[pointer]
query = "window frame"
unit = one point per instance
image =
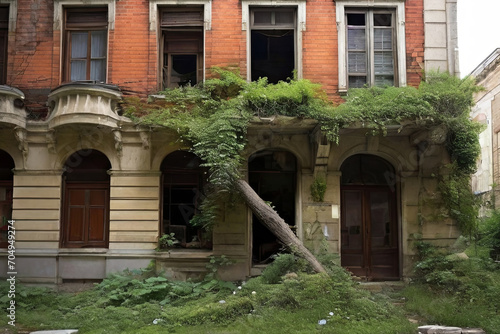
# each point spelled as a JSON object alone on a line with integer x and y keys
{"x": 59, "y": 14}
{"x": 398, "y": 8}
{"x": 300, "y": 19}
{"x": 155, "y": 10}
{"x": 189, "y": 30}
{"x": 4, "y": 32}
{"x": 89, "y": 29}
{"x": 11, "y": 27}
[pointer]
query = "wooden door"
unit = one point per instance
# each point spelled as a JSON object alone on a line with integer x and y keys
{"x": 369, "y": 233}
{"x": 86, "y": 215}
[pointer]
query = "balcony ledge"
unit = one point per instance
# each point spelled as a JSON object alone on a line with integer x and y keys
{"x": 85, "y": 102}
{"x": 12, "y": 107}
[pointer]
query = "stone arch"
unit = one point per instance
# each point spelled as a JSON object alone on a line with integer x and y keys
{"x": 370, "y": 224}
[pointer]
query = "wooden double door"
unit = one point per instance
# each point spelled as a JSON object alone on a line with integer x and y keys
{"x": 369, "y": 232}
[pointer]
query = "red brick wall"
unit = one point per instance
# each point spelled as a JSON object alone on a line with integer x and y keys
{"x": 226, "y": 42}
{"x": 34, "y": 56}
{"x": 319, "y": 46}
{"x": 414, "y": 41}
{"x": 133, "y": 49}
{"x": 30, "y": 54}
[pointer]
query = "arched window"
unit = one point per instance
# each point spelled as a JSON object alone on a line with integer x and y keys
{"x": 273, "y": 176}
{"x": 183, "y": 180}
{"x": 6, "y": 190}
{"x": 85, "y": 214}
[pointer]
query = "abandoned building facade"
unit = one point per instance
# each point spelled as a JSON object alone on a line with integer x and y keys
{"x": 90, "y": 192}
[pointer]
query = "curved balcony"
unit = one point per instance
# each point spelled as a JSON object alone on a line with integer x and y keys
{"x": 12, "y": 107}
{"x": 85, "y": 103}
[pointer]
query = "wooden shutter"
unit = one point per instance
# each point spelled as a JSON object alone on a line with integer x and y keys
{"x": 86, "y": 18}
{"x": 185, "y": 17}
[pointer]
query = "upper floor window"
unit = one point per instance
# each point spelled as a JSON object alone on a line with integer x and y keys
{"x": 274, "y": 38}
{"x": 86, "y": 34}
{"x": 371, "y": 56}
{"x": 272, "y": 44}
{"x": 371, "y": 40}
{"x": 4, "y": 34}
{"x": 182, "y": 45}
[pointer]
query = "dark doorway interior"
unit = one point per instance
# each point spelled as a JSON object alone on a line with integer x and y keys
{"x": 272, "y": 174}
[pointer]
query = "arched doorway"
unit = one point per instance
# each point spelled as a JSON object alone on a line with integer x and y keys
{"x": 369, "y": 224}
{"x": 273, "y": 175}
{"x": 85, "y": 212}
{"x": 6, "y": 190}
{"x": 182, "y": 180}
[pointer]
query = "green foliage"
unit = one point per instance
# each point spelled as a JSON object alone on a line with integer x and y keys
{"x": 454, "y": 290}
{"x": 167, "y": 240}
{"x": 282, "y": 264}
{"x": 318, "y": 189}
{"x": 462, "y": 204}
{"x": 489, "y": 234}
{"x": 298, "y": 98}
{"x": 133, "y": 287}
{"x": 213, "y": 118}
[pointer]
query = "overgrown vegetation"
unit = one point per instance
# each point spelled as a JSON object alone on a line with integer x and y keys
{"x": 139, "y": 302}
{"x": 318, "y": 189}
{"x": 460, "y": 288}
{"x": 212, "y": 120}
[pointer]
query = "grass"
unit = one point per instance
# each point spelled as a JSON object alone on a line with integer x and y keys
{"x": 447, "y": 291}
{"x": 294, "y": 305}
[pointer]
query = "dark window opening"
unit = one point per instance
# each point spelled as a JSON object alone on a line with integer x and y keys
{"x": 273, "y": 54}
{"x": 85, "y": 214}
{"x": 6, "y": 191}
{"x": 4, "y": 36}
{"x": 272, "y": 174}
{"x": 182, "y": 38}
{"x": 272, "y": 43}
{"x": 86, "y": 34}
{"x": 183, "y": 180}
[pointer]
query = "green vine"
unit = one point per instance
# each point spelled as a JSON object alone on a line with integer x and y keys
{"x": 213, "y": 117}
{"x": 318, "y": 189}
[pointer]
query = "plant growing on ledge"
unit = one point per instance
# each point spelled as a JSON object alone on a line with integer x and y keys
{"x": 166, "y": 241}
{"x": 213, "y": 118}
{"x": 318, "y": 189}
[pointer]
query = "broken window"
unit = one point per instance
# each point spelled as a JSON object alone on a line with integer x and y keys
{"x": 182, "y": 44}
{"x": 183, "y": 180}
{"x": 4, "y": 34}
{"x": 371, "y": 51}
{"x": 273, "y": 36}
{"x": 86, "y": 44}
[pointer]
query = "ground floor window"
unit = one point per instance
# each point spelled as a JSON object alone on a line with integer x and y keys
{"x": 183, "y": 180}
{"x": 85, "y": 213}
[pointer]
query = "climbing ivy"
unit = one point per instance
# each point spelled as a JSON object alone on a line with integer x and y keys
{"x": 212, "y": 118}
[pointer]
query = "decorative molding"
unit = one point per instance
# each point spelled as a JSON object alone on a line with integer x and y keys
{"x": 145, "y": 139}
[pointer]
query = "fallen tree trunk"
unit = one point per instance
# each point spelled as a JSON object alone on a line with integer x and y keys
{"x": 276, "y": 224}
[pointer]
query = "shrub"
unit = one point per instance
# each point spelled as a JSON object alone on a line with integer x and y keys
{"x": 282, "y": 264}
